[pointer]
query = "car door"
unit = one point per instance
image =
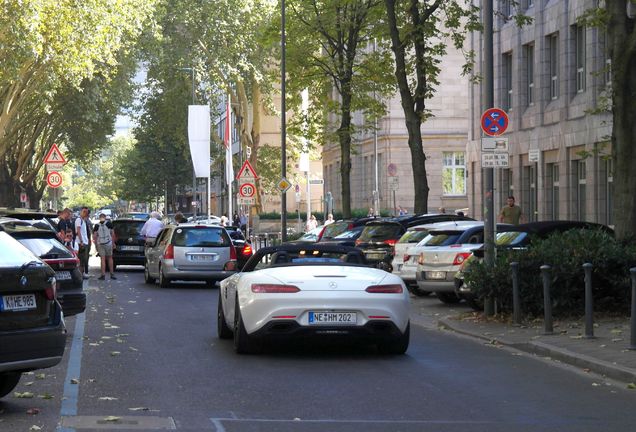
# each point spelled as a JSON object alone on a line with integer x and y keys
{"x": 154, "y": 252}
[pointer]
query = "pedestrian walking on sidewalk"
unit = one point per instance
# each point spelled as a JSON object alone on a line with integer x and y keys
{"x": 511, "y": 213}
{"x": 83, "y": 229}
{"x": 105, "y": 241}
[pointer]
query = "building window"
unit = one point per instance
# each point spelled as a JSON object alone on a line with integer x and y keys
{"x": 454, "y": 173}
{"x": 507, "y": 80}
{"x": 529, "y": 192}
{"x": 609, "y": 192}
{"x": 553, "y": 47}
{"x": 505, "y": 185}
{"x": 579, "y": 50}
{"x": 607, "y": 72}
{"x": 529, "y": 51}
{"x": 580, "y": 183}
{"x": 506, "y": 8}
{"x": 552, "y": 186}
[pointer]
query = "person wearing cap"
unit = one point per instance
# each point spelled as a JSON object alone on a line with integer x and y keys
{"x": 104, "y": 240}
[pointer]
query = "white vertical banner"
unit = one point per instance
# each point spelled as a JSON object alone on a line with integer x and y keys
{"x": 229, "y": 168}
{"x": 199, "y": 138}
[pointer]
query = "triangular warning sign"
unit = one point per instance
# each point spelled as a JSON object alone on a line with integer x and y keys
{"x": 246, "y": 171}
{"x": 54, "y": 155}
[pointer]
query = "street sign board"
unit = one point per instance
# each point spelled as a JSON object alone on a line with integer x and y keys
{"x": 494, "y": 144}
{"x": 247, "y": 190}
{"x": 54, "y": 179}
{"x": 494, "y": 121}
{"x": 316, "y": 181}
{"x": 54, "y": 166}
{"x": 246, "y": 201}
{"x": 297, "y": 197}
{"x": 534, "y": 155}
{"x": 284, "y": 184}
{"x": 246, "y": 172}
{"x": 54, "y": 155}
{"x": 394, "y": 183}
{"x": 495, "y": 160}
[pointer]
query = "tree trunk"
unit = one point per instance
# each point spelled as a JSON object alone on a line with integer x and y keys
{"x": 418, "y": 162}
{"x": 622, "y": 39}
{"x": 344, "y": 137}
{"x": 9, "y": 190}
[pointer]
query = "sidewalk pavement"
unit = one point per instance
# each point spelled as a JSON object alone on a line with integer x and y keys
{"x": 607, "y": 354}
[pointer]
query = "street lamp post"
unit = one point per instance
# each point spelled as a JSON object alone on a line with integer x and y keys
{"x": 194, "y": 176}
{"x": 283, "y": 130}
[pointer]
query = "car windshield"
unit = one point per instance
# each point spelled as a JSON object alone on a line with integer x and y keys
{"x": 308, "y": 257}
{"x": 441, "y": 238}
{"x": 48, "y": 248}
{"x": 12, "y": 253}
{"x": 128, "y": 228}
{"x": 380, "y": 232}
{"x": 511, "y": 238}
{"x": 335, "y": 229}
{"x": 201, "y": 237}
{"x": 413, "y": 236}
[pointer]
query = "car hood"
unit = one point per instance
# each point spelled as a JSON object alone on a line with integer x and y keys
{"x": 324, "y": 277}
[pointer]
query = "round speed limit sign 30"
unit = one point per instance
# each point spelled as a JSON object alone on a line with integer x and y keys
{"x": 54, "y": 179}
{"x": 247, "y": 190}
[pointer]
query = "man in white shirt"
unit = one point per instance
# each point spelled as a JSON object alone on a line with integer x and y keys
{"x": 83, "y": 230}
{"x": 152, "y": 227}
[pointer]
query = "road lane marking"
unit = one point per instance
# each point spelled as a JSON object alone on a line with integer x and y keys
{"x": 119, "y": 422}
{"x": 71, "y": 391}
{"x": 217, "y": 422}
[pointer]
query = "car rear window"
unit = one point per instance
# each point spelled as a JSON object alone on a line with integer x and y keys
{"x": 46, "y": 248}
{"x": 200, "y": 237}
{"x": 128, "y": 229}
{"x": 335, "y": 229}
{"x": 12, "y": 253}
{"x": 380, "y": 233}
{"x": 441, "y": 238}
{"x": 413, "y": 236}
{"x": 349, "y": 234}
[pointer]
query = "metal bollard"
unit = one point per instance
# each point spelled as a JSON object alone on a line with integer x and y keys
{"x": 547, "y": 300}
{"x": 589, "y": 302}
{"x": 632, "y": 337}
{"x": 516, "y": 299}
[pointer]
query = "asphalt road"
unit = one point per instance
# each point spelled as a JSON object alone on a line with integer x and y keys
{"x": 146, "y": 358}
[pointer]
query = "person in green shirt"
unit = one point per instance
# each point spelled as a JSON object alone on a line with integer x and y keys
{"x": 511, "y": 213}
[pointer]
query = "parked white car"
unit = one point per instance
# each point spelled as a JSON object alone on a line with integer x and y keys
{"x": 408, "y": 248}
{"x": 301, "y": 291}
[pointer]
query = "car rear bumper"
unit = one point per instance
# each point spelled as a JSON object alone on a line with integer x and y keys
{"x": 436, "y": 285}
{"x": 195, "y": 275}
{"x": 72, "y": 303}
{"x": 24, "y": 350}
{"x": 137, "y": 258}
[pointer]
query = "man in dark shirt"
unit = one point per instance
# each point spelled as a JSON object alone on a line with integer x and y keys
{"x": 65, "y": 223}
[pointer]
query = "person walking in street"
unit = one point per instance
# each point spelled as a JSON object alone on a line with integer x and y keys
{"x": 511, "y": 213}
{"x": 179, "y": 218}
{"x": 243, "y": 221}
{"x": 83, "y": 229}
{"x": 151, "y": 228}
{"x": 64, "y": 224}
{"x": 329, "y": 220}
{"x": 236, "y": 221}
{"x": 312, "y": 223}
{"x": 105, "y": 242}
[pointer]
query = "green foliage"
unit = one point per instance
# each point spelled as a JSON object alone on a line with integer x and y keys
{"x": 355, "y": 213}
{"x": 565, "y": 253}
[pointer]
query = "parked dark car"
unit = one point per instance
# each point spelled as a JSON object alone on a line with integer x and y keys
{"x": 338, "y": 227}
{"x": 45, "y": 245}
{"x": 137, "y": 215}
{"x": 243, "y": 247}
{"x": 32, "y": 332}
{"x": 129, "y": 243}
{"x": 519, "y": 237}
{"x": 380, "y": 236}
{"x": 38, "y": 219}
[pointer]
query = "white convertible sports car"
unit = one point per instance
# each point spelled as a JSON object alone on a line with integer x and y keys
{"x": 322, "y": 291}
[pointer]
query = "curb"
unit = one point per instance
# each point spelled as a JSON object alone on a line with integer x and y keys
{"x": 610, "y": 370}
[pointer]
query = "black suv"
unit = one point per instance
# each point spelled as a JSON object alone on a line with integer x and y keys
{"x": 32, "y": 332}
{"x": 379, "y": 236}
{"x": 333, "y": 230}
{"x": 129, "y": 243}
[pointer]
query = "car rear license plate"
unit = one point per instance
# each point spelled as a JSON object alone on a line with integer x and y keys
{"x": 131, "y": 248}
{"x": 18, "y": 302}
{"x": 346, "y": 318}
{"x": 435, "y": 275}
{"x": 201, "y": 258}
{"x": 375, "y": 255}
{"x": 63, "y": 275}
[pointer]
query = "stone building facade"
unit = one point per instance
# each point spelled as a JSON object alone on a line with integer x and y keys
{"x": 444, "y": 141}
{"x": 552, "y": 78}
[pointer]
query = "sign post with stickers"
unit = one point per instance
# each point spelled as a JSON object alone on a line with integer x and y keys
{"x": 247, "y": 184}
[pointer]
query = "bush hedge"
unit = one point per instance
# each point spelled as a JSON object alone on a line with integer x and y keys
{"x": 565, "y": 253}
{"x": 355, "y": 213}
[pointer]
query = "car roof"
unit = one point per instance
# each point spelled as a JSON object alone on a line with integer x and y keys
{"x": 120, "y": 220}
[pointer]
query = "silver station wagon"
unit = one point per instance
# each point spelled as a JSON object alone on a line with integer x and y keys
{"x": 190, "y": 252}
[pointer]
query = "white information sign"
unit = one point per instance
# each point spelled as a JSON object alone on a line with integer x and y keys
{"x": 246, "y": 201}
{"x": 534, "y": 155}
{"x": 494, "y": 144}
{"x": 394, "y": 183}
{"x": 495, "y": 160}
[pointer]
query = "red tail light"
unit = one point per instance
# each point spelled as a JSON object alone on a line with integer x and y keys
{"x": 247, "y": 250}
{"x": 385, "y": 289}
{"x": 390, "y": 242}
{"x": 51, "y": 290}
{"x": 274, "y": 289}
{"x": 67, "y": 263}
{"x": 169, "y": 252}
{"x": 461, "y": 257}
{"x": 406, "y": 258}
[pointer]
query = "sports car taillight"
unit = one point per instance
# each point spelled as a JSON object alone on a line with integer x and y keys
{"x": 385, "y": 289}
{"x": 51, "y": 289}
{"x": 169, "y": 252}
{"x": 274, "y": 289}
{"x": 461, "y": 257}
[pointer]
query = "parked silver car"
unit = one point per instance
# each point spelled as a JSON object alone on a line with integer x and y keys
{"x": 190, "y": 252}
